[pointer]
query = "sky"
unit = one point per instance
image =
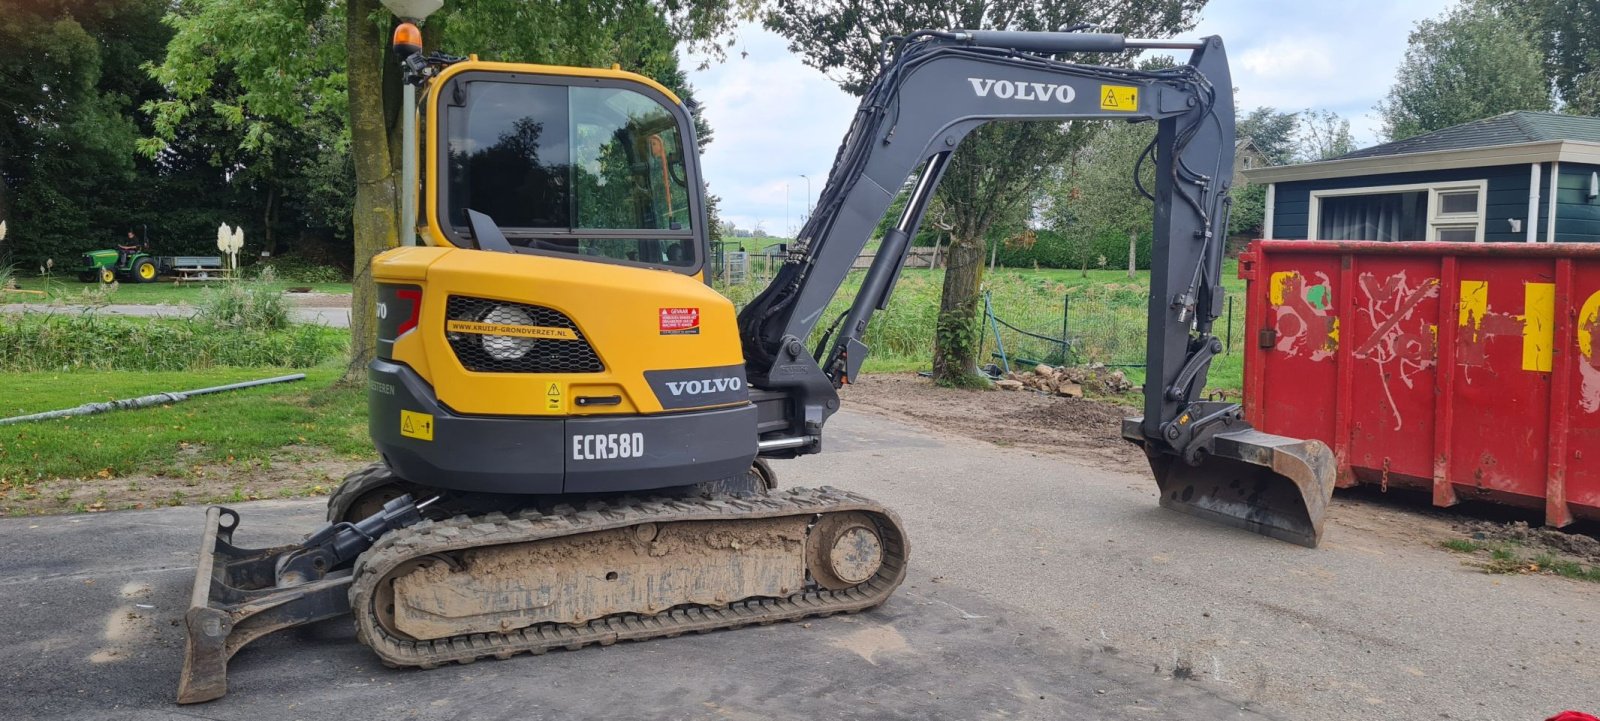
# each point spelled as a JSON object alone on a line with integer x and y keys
{"x": 775, "y": 120}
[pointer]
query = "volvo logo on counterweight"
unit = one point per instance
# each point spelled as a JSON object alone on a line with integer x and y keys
{"x": 699, "y": 388}
{"x": 1006, "y": 89}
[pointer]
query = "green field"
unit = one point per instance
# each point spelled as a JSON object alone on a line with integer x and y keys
{"x": 1107, "y": 318}
{"x": 64, "y": 288}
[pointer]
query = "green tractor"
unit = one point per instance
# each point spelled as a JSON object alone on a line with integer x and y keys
{"x": 126, "y": 262}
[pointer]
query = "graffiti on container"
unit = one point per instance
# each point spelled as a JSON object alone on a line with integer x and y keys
{"x": 1402, "y": 341}
{"x": 1589, "y": 360}
{"x": 1479, "y": 323}
{"x": 1304, "y": 321}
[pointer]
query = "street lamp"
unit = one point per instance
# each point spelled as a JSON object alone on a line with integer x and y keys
{"x": 808, "y": 195}
{"x": 408, "y": 42}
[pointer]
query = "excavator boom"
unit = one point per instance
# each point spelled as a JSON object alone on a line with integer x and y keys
{"x": 938, "y": 87}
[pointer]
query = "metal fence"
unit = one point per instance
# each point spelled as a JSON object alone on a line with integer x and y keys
{"x": 1082, "y": 330}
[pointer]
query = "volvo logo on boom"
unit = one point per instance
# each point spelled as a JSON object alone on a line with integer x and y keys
{"x": 1041, "y": 92}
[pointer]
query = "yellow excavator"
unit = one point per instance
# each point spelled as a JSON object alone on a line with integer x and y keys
{"x": 575, "y": 428}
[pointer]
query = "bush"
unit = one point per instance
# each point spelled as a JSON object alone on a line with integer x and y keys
{"x": 47, "y": 342}
{"x": 1052, "y": 249}
{"x": 295, "y": 269}
{"x": 252, "y": 304}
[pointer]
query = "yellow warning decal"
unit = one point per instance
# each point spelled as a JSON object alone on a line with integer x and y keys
{"x": 1119, "y": 97}
{"x": 552, "y": 397}
{"x": 416, "y": 425}
{"x": 517, "y": 331}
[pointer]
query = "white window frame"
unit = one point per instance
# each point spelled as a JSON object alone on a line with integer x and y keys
{"x": 1478, "y": 220}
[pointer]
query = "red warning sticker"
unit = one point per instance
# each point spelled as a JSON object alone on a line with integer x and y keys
{"x": 680, "y": 321}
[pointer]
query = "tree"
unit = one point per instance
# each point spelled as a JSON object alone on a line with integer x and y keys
{"x": 1567, "y": 35}
{"x": 1322, "y": 135}
{"x": 1472, "y": 63}
{"x": 1275, "y": 136}
{"x": 998, "y": 171}
{"x": 69, "y": 178}
{"x": 1097, "y": 194}
{"x": 1272, "y": 132}
{"x": 273, "y": 64}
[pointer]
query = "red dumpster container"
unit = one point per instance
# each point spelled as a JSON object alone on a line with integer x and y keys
{"x": 1467, "y": 368}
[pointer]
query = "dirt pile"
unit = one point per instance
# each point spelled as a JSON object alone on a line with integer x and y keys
{"x": 1576, "y": 545}
{"x": 1087, "y": 429}
{"x": 1066, "y": 382}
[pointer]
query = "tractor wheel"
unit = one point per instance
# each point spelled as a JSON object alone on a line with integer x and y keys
{"x": 144, "y": 270}
{"x": 108, "y": 276}
{"x": 88, "y": 276}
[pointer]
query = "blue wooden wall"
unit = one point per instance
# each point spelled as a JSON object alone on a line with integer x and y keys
{"x": 1508, "y": 198}
{"x": 1577, "y": 217}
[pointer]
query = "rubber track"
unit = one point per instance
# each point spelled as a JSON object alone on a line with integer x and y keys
{"x": 493, "y": 529}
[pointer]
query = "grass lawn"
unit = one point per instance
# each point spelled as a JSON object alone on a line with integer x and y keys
{"x": 66, "y": 289}
{"x": 212, "y": 448}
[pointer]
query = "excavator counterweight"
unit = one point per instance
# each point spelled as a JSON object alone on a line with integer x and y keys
{"x": 591, "y": 423}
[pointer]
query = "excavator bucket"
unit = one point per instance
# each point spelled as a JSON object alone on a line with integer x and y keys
{"x": 1272, "y": 485}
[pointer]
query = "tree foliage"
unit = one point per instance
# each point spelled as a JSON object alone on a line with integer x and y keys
{"x": 67, "y": 170}
{"x": 1567, "y": 35}
{"x": 1322, "y": 135}
{"x": 1473, "y": 62}
{"x": 1274, "y": 133}
{"x": 996, "y": 174}
{"x": 1096, "y": 195}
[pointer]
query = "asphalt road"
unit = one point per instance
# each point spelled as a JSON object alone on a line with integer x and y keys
{"x": 334, "y": 317}
{"x": 1041, "y": 587}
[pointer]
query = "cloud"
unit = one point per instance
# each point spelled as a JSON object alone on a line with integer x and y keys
{"x": 773, "y": 121}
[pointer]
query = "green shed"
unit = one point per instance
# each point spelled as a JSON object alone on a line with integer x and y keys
{"x": 1518, "y": 177}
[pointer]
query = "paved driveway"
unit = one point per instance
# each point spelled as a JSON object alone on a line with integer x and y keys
{"x": 1041, "y": 587}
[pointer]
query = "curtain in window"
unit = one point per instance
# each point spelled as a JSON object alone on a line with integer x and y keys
{"x": 1380, "y": 216}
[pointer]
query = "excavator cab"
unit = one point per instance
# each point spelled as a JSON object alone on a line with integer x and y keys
{"x": 574, "y": 426}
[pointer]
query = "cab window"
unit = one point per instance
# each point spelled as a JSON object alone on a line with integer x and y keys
{"x": 589, "y": 171}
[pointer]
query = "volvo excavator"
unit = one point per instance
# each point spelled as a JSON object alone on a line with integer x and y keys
{"x": 575, "y": 428}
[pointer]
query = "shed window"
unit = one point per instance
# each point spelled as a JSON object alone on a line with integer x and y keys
{"x": 1451, "y": 212}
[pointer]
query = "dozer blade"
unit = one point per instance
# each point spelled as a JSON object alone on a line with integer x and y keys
{"x": 235, "y": 601}
{"x": 1273, "y": 485}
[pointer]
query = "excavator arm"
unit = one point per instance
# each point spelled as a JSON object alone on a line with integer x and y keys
{"x": 935, "y": 89}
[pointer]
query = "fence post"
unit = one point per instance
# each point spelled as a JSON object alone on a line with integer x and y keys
{"x": 1066, "y": 312}
{"x": 1000, "y": 345}
{"x": 1228, "y": 342}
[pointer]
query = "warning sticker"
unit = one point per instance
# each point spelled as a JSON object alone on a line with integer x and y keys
{"x": 416, "y": 425}
{"x": 680, "y": 321}
{"x": 1119, "y": 97}
{"x": 552, "y": 397}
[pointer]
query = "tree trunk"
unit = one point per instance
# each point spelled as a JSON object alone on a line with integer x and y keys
{"x": 266, "y": 222}
{"x": 955, "y": 351}
{"x": 375, "y": 202}
{"x": 994, "y": 254}
{"x": 1133, "y": 253}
